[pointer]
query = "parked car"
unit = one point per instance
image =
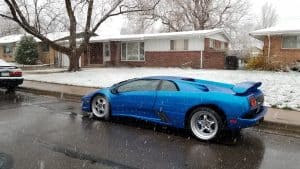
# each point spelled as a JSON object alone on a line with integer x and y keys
{"x": 206, "y": 108}
{"x": 10, "y": 76}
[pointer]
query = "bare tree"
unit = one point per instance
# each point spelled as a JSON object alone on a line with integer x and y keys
{"x": 8, "y": 27}
{"x": 179, "y": 15}
{"x": 37, "y": 16}
{"x": 269, "y": 16}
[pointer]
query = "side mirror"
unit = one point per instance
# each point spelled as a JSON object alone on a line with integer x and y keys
{"x": 114, "y": 90}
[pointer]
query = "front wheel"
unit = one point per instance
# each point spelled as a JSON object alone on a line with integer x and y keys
{"x": 100, "y": 107}
{"x": 205, "y": 123}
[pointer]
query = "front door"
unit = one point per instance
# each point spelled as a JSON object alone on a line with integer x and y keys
{"x": 96, "y": 53}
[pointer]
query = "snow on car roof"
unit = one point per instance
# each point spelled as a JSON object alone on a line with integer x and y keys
{"x": 3, "y": 63}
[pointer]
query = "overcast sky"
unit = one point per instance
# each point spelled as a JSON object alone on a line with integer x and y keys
{"x": 288, "y": 11}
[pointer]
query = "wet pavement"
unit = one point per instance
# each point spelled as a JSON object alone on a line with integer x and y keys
{"x": 39, "y": 132}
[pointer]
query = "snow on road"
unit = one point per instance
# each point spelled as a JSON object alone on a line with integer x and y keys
{"x": 281, "y": 89}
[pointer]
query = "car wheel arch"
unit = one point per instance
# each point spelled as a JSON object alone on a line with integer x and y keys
{"x": 211, "y": 106}
{"x": 99, "y": 94}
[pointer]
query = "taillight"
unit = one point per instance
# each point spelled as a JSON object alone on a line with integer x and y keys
{"x": 15, "y": 74}
{"x": 253, "y": 102}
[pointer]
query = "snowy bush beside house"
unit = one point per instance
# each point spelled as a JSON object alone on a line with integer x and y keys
{"x": 281, "y": 88}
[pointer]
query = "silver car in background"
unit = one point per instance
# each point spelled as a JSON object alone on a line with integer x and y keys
{"x": 10, "y": 76}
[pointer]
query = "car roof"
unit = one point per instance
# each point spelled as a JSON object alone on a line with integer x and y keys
{"x": 169, "y": 78}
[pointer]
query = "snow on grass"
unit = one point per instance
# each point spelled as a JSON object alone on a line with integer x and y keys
{"x": 281, "y": 89}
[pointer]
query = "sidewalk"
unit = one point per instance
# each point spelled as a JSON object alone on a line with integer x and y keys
{"x": 62, "y": 91}
{"x": 275, "y": 118}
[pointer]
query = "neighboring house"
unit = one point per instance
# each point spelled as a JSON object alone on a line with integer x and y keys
{"x": 281, "y": 44}
{"x": 196, "y": 49}
{"x": 8, "y": 47}
{"x": 47, "y": 55}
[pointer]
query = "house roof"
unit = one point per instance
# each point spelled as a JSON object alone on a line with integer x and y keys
{"x": 185, "y": 34}
{"x": 11, "y": 38}
{"x": 276, "y": 30}
{"x": 54, "y": 36}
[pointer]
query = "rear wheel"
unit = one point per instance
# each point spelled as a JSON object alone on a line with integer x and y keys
{"x": 205, "y": 123}
{"x": 100, "y": 107}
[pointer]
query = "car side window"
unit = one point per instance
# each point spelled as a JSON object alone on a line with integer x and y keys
{"x": 168, "y": 86}
{"x": 139, "y": 85}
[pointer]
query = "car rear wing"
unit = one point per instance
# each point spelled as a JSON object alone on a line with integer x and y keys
{"x": 245, "y": 87}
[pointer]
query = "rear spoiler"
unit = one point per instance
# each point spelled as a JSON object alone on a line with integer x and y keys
{"x": 245, "y": 87}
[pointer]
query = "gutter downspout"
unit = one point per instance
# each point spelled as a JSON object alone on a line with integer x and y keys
{"x": 201, "y": 59}
{"x": 269, "y": 48}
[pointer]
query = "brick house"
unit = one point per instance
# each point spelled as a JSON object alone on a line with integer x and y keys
{"x": 197, "y": 49}
{"x": 281, "y": 45}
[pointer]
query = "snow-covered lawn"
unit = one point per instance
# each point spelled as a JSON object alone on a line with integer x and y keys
{"x": 281, "y": 89}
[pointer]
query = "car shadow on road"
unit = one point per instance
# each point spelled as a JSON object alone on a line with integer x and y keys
{"x": 227, "y": 137}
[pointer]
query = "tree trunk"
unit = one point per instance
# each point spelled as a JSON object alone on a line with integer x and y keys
{"x": 74, "y": 62}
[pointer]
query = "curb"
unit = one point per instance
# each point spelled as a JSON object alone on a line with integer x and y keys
{"x": 290, "y": 128}
{"x": 34, "y": 73}
{"x": 60, "y": 95}
{"x": 96, "y": 87}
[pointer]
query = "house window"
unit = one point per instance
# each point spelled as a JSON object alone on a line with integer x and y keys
{"x": 172, "y": 44}
{"x": 179, "y": 45}
{"x": 211, "y": 43}
{"x": 124, "y": 51}
{"x": 133, "y": 51}
{"x": 45, "y": 47}
{"x": 186, "y": 44}
{"x": 8, "y": 49}
{"x": 106, "y": 51}
{"x": 222, "y": 45}
{"x": 291, "y": 42}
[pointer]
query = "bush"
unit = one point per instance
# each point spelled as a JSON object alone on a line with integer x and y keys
{"x": 27, "y": 51}
{"x": 258, "y": 62}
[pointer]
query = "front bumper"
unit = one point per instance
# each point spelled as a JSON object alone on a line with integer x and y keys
{"x": 11, "y": 81}
{"x": 249, "y": 122}
{"x": 86, "y": 104}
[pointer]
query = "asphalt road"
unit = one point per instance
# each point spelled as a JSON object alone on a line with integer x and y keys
{"x": 38, "y": 132}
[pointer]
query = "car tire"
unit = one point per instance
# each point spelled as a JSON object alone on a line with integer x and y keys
{"x": 205, "y": 124}
{"x": 100, "y": 107}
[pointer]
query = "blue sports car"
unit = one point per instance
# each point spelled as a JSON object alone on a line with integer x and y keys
{"x": 206, "y": 108}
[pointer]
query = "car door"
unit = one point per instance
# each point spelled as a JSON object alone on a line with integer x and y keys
{"x": 170, "y": 103}
{"x": 135, "y": 98}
